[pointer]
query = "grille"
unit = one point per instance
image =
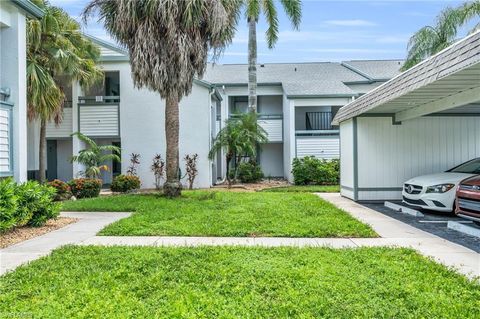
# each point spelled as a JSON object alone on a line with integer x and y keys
{"x": 414, "y": 201}
{"x": 416, "y": 189}
{"x": 470, "y": 188}
{"x": 469, "y": 205}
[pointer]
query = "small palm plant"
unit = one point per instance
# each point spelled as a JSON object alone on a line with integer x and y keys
{"x": 94, "y": 157}
{"x": 239, "y": 137}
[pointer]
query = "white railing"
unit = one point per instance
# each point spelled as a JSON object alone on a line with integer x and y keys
{"x": 273, "y": 125}
{"x": 63, "y": 129}
{"x": 321, "y": 146}
{"x": 99, "y": 116}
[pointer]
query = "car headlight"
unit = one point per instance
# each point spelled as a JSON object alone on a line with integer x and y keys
{"x": 441, "y": 188}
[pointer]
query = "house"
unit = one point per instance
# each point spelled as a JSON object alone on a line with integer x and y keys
{"x": 13, "y": 86}
{"x": 425, "y": 120}
{"x": 296, "y": 103}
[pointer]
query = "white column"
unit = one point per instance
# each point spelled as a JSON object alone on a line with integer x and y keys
{"x": 77, "y": 145}
{"x": 288, "y": 137}
{"x": 13, "y": 76}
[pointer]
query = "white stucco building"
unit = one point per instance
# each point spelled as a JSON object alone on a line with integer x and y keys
{"x": 296, "y": 103}
{"x": 13, "y": 86}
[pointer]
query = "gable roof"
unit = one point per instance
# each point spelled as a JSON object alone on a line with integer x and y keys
{"x": 109, "y": 51}
{"x": 448, "y": 64}
{"x": 376, "y": 70}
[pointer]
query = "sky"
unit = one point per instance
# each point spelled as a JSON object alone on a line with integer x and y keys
{"x": 330, "y": 30}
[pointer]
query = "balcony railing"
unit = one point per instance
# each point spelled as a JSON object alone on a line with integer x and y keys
{"x": 320, "y": 146}
{"x": 6, "y": 143}
{"x": 98, "y": 100}
{"x": 318, "y": 121}
{"x": 272, "y": 124}
{"x": 99, "y": 116}
{"x": 63, "y": 129}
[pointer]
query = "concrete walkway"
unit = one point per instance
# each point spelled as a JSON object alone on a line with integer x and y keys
{"x": 88, "y": 226}
{"x": 392, "y": 231}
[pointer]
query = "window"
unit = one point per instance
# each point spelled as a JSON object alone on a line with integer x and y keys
{"x": 470, "y": 167}
{"x": 109, "y": 87}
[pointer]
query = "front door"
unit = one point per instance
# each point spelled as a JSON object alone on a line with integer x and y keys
{"x": 51, "y": 159}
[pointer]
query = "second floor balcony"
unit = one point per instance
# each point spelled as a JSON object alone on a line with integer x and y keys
{"x": 97, "y": 116}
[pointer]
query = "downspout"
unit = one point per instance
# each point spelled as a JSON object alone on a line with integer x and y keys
{"x": 210, "y": 94}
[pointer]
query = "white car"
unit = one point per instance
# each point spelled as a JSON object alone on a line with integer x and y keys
{"x": 437, "y": 191}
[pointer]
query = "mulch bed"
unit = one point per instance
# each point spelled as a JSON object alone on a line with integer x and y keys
{"x": 24, "y": 233}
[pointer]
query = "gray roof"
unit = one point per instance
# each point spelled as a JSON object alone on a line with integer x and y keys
{"x": 376, "y": 69}
{"x": 297, "y": 79}
{"x": 301, "y": 79}
{"x": 447, "y": 63}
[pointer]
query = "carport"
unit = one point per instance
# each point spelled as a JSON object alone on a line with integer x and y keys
{"x": 423, "y": 121}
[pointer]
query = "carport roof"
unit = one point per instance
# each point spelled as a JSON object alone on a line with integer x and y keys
{"x": 450, "y": 78}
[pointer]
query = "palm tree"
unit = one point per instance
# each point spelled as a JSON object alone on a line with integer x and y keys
{"x": 56, "y": 52}
{"x": 432, "y": 39}
{"x": 168, "y": 43}
{"x": 94, "y": 157}
{"x": 239, "y": 137}
{"x": 293, "y": 9}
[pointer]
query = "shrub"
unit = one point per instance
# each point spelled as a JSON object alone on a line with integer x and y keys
{"x": 36, "y": 204}
{"x": 125, "y": 183}
{"x": 249, "y": 172}
{"x": 63, "y": 191}
{"x": 310, "y": 170}
{"x": 8, "y": 204}
{"x": 158, "y": 169}
{"x": 191, "y": 168}
{"x": 85, "y": 187}
{"x": 27, "y": 204}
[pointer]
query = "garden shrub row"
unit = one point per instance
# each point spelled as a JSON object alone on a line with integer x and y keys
{"x": 29, "y": 204}
{"x": 78, "y": 187}
{"x": 313, "y": 171}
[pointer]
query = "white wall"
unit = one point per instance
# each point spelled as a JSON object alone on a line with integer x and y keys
{"x": 388, "y": 154}
{"x": 13, "y": 76}
{"x": 271, "y": 159}
{"x": 142, "y": 126}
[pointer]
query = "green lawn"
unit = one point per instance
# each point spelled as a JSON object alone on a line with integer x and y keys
{"x": 208, "y": 213}
{"x": 233, "y": 282}
{"x": 305, "y": 189}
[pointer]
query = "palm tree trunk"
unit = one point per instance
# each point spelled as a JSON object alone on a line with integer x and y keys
{"x": 172, "y": 187}
{"x": 252, "y": 65}
{"x": 228, "y": 159}
{"x": 42, "y": 156}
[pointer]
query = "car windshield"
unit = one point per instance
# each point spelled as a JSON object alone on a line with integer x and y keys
{"x": 471, "y": 167}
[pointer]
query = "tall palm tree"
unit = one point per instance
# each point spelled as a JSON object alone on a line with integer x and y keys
{"x": 239, "y": 137}
{"x": 94, "y": 157}
{"x": 56, "y": 49}
{"x": 168, "y": 43}
{"x": 293, "y": 9}
{"x": 432, "y": 39}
